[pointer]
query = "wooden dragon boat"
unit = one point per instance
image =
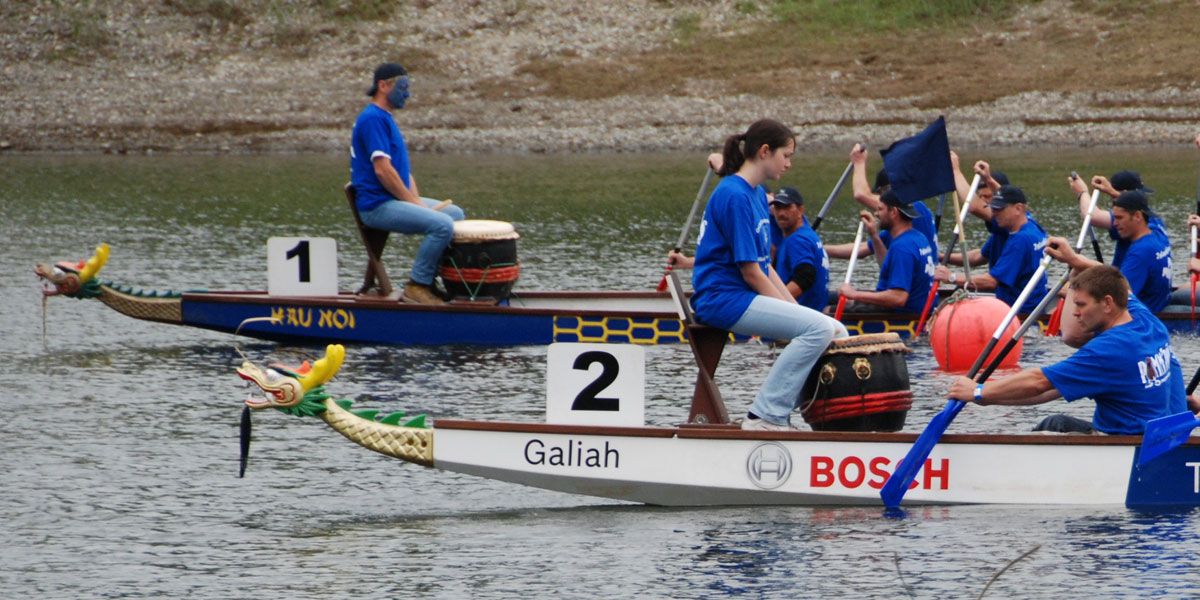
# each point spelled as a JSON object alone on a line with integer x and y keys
{"x": 526, "y": 318}
{"x": 705, "y": 464}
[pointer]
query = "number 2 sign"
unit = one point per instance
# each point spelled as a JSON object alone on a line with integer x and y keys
{"x": 596, "y": 384}
{"x": 301, "y": 266}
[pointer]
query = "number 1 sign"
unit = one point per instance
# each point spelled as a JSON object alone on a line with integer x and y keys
{"x": 301, "y": 266}
{"x": 596, "y": 384}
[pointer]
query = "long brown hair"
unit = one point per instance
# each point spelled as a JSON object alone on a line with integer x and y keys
{"x": 770, "y": 132}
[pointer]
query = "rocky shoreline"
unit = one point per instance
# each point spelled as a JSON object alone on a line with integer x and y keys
{"x": 158, "y": 85}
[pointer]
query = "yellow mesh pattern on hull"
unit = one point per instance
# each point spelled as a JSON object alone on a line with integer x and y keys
{"x": 166, "y": 310}
{"x": 405, "y": 443}
{"x": 627, "y": 330}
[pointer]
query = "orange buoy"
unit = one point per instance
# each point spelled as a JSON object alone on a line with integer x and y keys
{"x": 962, "y": 329}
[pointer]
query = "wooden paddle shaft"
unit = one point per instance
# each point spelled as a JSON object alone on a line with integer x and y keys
{"x": 837, "y": 189}
{"x": 687, "y": 226}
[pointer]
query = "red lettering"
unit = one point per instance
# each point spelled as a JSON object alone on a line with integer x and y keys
{"x": 880, "y": 475}
{"x": 860, "y": 472}
{"x": 821, "y": 472}
{"x": 942, "y": 474}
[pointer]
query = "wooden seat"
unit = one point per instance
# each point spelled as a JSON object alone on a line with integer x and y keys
{"x": 707, "y": 344}
{"x": 373, "y": 240}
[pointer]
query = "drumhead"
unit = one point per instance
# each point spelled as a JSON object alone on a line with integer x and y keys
{"x": 867, "y": 343}
{"x": 483, "y": 230}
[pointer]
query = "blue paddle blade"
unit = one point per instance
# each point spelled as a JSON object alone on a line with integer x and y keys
{"x": 1164, "y": 434}
{"x": 897, "y": 485}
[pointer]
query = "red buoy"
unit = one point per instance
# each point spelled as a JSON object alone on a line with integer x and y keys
{"x": 962, "y": 329}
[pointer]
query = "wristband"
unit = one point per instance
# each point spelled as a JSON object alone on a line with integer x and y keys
{"x": 953, "y": 278}
{"x": 979, "y": 394}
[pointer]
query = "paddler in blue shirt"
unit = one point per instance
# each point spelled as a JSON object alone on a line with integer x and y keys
{"x": 800, "y": 260}
{"x": 1012, "y": 251}
{"x": 1143, "y": 252}
{"x": 735, "y": 286}
{"x": 908, "y": 267}
{"x": 869, "y": 196}
{"x": 1127, "y": 367}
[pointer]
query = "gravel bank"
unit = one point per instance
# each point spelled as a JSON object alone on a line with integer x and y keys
{"x": 145, "y": 77}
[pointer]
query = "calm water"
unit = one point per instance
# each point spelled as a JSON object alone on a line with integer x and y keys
{"x": 120, "y": 436}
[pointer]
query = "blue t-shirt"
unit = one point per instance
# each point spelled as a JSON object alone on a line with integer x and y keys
{"x": 1122, "y": 246}
{"x": 1146, "y": 263}
{"x": 375, "y": 134}
{"x": 908, "y": 266}
{"x": 923, "y": 223}
{"x": 1129, "y": 370}
{"x": 1013, "y": 258}
{"x": 735, "y": 229}
{"x": 804, "y": 247}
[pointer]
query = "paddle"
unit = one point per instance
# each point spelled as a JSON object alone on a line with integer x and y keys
{"x": 837, "y": 189}
{"x": 962, "y": 215}
{"x": 1165, "y": 433}
{"x": 1194, "y": 275}
{"x": 1052, "y": 327}
{"x": 687, "y": 227}
{"x": 937, "y": 219}
{"x": 850, "y": 269}
{"x": 906, "y": 471}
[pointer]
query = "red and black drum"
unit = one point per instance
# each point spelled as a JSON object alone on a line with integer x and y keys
{"x": 481, "y": 261}
{"x": 860, "y": 383}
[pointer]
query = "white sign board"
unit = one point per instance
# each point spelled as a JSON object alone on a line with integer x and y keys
{"x": 596, "y": 384}
{"x": 302, "y": 266}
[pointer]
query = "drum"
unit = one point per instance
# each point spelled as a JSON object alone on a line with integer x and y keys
{"x": 481, "y": 261}
{"x": 860, "y": 383}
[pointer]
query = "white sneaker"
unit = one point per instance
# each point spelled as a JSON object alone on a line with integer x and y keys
{"x": 749, "y": 424}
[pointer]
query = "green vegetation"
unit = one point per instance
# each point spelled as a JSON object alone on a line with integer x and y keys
{"x": 874, "y": 15}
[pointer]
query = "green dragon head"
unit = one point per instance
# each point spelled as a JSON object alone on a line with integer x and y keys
{"x": 300, "y": 391}
{"x": 76, "y": 280}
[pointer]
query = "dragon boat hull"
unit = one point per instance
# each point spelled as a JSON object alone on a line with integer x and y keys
{"x": 723, "y": 465}
{"x": 532, "y": 318}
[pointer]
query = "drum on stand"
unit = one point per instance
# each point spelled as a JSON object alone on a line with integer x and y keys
{"x": 481, "y": 261}
{"x": 860, "y": 383}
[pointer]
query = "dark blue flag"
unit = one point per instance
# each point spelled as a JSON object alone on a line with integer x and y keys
{"x": 919, "y": 166}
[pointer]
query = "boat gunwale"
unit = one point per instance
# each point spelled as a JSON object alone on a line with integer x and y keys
{"x": 728, "y": 432}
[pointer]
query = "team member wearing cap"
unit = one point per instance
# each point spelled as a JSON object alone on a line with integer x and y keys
{"x": 800, "y": 261}
{"x": 386, "y": 191}
{"x": 1143, "y": 253}
{"x": 1121, "y": 181}
{"x": 907, "y": 269}
{"x": 1127, "y": 367}
{"x": 1012, "y": 251}
{"x": 868, "y": 196}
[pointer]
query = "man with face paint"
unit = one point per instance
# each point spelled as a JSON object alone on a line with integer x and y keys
{"x": 386, "y": 191}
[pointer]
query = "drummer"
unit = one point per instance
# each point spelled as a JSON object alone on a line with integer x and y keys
{"x": 800, "y": 261}
{"x": 1127, "y": 367}
{"x": 737, "y": 289}
{"x": 386, "y": 194}
{"x": 908, "y": 267}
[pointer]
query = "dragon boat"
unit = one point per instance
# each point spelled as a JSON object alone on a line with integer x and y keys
{"x": 535, "y": 318}
{"x": 707, "y": 462}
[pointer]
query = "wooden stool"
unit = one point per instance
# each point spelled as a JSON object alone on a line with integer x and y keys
{"x": 707, "y": 344}
{"x": 374, "y": 240}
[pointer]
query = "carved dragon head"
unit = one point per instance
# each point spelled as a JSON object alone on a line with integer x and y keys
{"x": 299, "y": 391}
{"x": 76, "y": 280}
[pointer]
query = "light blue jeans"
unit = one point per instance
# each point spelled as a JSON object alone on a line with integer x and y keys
{"x": 406, "y": 217}
{"x": 810, "y": 333}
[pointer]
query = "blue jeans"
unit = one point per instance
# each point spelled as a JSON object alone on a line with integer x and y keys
{"x": 810, "y": 333}
{"x": 406, "y": 217}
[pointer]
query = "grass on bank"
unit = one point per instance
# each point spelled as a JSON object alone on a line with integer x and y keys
{"x": 942, "y": 52}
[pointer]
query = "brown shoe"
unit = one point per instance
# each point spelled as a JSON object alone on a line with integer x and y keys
{"x": 416, "y": 293}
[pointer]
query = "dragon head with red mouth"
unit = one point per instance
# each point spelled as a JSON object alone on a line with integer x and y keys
{"x": 75, "y": 280}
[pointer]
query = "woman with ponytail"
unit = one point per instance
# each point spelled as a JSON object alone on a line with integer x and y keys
{"x": 737, "y": 289}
